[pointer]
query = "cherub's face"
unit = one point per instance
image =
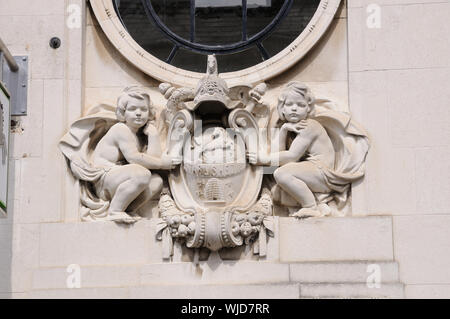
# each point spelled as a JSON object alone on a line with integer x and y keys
{"x": 295, "y": 108}
{"x": 136, "y": 113}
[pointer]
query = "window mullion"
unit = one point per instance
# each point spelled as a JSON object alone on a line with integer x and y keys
{"x": 192, "y": 17}
{"x": 172, "y": 54}
{"x": 244, "y": 20}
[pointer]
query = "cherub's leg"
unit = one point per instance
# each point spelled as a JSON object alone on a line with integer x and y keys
{"x": 300, "y": 180}
{"x": 124, "y": 184}
{"x": 154, "y": 188}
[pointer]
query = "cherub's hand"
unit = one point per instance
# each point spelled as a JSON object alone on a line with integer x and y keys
{"x": 150, "y": 129}
{"x": 258, "y": 159}
{"x": 178, "y": 97}
{"x": 179, "y": 131}
{"x": 263, "y": 159}
{"x": 169, "y": 162}
{"x": 252, "y": 157}
{"x": 176, "y": 161}
{"x": 256, "y": 95}
{"x": 295, "y": 127}
{"x": 258, "y": 92}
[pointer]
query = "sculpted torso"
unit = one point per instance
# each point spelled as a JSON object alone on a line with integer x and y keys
{"x": 118, "y": 145}
{"x": 128, "y": 182}
{"x": 115, "y": 145}
{"x": 313, "y": 143}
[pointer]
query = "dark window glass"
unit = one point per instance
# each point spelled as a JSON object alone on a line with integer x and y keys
{"x": 142, "y": 30}
{"x": 247, "y": 58}
{"x": 190, "y": 60}
{"x": 175, "y": 15}
{"x": 240, "y": 33}
{"x": 218, "y": 25}
{"x": 297, "y": 19}
{"x": 259, "y": 15}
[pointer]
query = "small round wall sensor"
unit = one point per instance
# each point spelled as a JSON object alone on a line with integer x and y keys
{"x": 55, "y": 42}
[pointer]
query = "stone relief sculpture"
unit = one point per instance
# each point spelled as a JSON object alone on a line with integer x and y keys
{"x": 113, "y": 161}
{"x": 321, "y": 151}
{"x": 215, "y": 145}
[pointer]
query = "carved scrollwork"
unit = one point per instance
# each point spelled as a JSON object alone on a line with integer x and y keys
{"x": 245, "y": 124}
{"x": 180, "y": 126}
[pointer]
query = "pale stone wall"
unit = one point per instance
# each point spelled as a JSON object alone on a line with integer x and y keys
{"x": 41, "y": 189}
{"x": 399, "y": 77}
{"x": 395, "y": 77}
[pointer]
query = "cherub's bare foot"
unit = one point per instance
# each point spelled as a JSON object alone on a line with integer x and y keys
{"x": 324, "y": 209}
{"x": 121, "y": 217}
{"x": 306, "y": 213}
{"x": 135, "y": 216}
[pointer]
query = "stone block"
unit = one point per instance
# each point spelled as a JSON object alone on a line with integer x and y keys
{"x": 421, "y": 247}
{"x": 90, "y": 277}
{"x": 80, "y": 293}
{"x": 418, "y": 107}
{"x": 336, "y": 239}
{"x": 214, "y": 273}
{"x": 427, "y": 291}
{"x": 40, "y": 204}
{"x": 391, "y": 184}
{"x": 394, "y": 45}
{"x": 351, "y": 272}
{"x": 390, "y": 290}
{"x": 432, "y": 179}
{"x": 25, "y": 257}
{"x": 31, "y": 8}
{"x": 98, "y": 243}
{"x": 282, "y": 291}
{"x": 390, "y": 104}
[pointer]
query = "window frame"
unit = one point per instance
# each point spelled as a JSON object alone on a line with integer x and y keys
{"x": 164, "y": 72}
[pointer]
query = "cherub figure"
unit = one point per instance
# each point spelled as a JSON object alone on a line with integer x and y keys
{"x": 113, "y": 152}
{"x": 128, "y": 182}
{"x": 306, "y": 154}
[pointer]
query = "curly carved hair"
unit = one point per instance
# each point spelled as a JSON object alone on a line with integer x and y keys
{"x": 134, "y": 93}
{"x": 302, "y": 91}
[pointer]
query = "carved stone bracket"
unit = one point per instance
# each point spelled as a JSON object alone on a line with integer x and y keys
{"x": 214, "y": 229}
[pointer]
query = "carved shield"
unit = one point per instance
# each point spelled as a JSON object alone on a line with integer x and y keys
{"x": 215, "y": 175}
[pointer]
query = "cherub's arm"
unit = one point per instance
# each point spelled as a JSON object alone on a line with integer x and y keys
{"x": 279, "y": 154}
{"x": 279, "y": 139}
{"x": 127, "y": 143}
{"x": 298, "y": 148}
{"x": 153, "y": 140}
{"x": 306, "y": 134}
